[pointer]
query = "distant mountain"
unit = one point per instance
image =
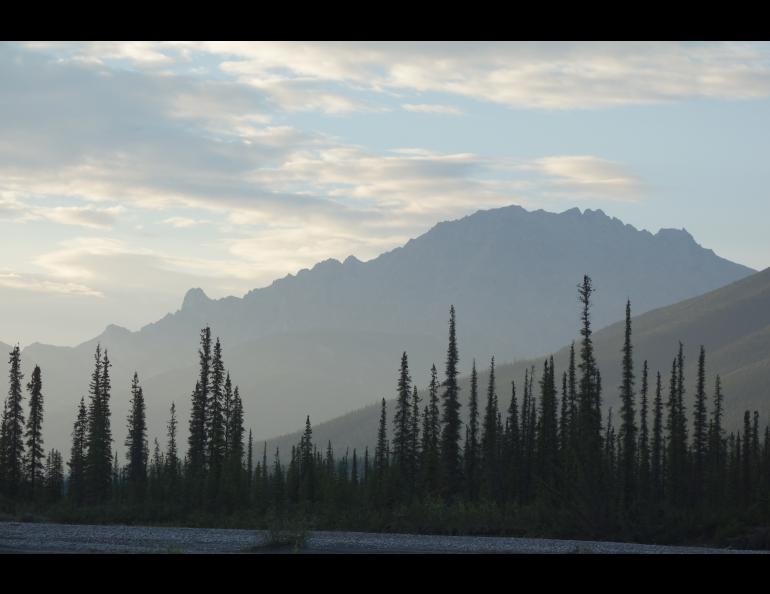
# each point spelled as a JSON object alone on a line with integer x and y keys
{"x": 327, "y": 340}
{"x": 732, "y": 323}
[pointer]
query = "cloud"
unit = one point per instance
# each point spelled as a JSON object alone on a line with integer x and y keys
{"x": 585, "y": 175}
{"x": 39, "y": 284}
{"x": 432, "y": 108}
{"x": 324, "y": 76}
{"x": 85, "y": 216}
{"x": 183, "y": 222}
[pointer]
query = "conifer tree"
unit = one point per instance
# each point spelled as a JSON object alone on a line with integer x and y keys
{"x": 172, "y": 455}
{"x": 548, "y": 451}
{"x": 589, "y": 446}
{"x": 644, "y": 441}
{"x": 227, "y": 412}
{"x": 628, "y": 429}
{"x": 746, "y": 460}
{"x": 250, "y": 464}
{"x": 77, "y": 461}
{"x": 354, "y": 470}
{"x": 414, "y": 448}
{"x": 700, "y": 436}
{"x": 656, "y": 463}
{"x": 512, "y": 447}
{"x": 306, "y": 464}
{"x": 136, "y": 443}
{"x": 471, "y": 454}
{"x": 197, "y": 441}
{"x": 717, "y": 458}
{"x": 13, "y": 428}
{"x": 54, "y": 476}
{"x": 99, "y": 458}
{"x": 402, "y": 423}
{"x": 450, "y": 433}
{"x": 34, "y": 462}
{"x": 490, "y": 440}
{"x": 430, "y": 438}
{"x": 215, "y": 423}
{"x": 381, "y": 455}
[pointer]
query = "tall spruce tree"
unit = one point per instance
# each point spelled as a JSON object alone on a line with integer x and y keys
{"x": 471, "y": 454}
{"x": 414, "y": 449}
{"x": 589, "y": 476}
{"x": 197, "y": 440}
{"x": 644, "y": 440}
{"x": 13, "y": 428}
{"x": 452, "y": 479}
{"x": 628, "y": 429}
{"x": 511, "y": 467}
{"x": 136, "y": 444}
{"x": 172, "y": 454}
{"x": 700, "y": 430}
{"x": 548, "y": 448}
{"x": 656, "y": 462}
{"x": 77, "y": 461}
{"x": 431, "y": 460}
{"x": 402, "y": 423}
{"x": 215, "y": 421}
{"x": 34, "y": 463}
{"x": 99, "y": 458}
{"x": 717, "y": 455}
{"x": 490, "y": 440}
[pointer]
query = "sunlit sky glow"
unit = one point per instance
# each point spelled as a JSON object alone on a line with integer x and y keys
{"x": 130, "y": 172}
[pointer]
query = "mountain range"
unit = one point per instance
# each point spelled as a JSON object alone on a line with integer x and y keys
{"x": 328, "y": 340}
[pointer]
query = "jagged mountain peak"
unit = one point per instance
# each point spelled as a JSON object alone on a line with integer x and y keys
{"x": 194, "y": 298}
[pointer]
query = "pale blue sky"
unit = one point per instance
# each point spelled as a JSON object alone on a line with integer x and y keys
{"x": 130, "y": 172}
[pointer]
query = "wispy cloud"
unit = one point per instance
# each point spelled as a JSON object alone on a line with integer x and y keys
{"x": 586, "y": 175}
{"x": 39, "y": 284}
{"x": 432, "y": 108}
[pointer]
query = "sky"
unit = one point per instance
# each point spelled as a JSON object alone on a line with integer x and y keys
{"x": 133, "y": 171}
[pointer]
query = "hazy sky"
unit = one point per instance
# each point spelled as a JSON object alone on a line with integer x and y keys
{"x": 130, "y": 172}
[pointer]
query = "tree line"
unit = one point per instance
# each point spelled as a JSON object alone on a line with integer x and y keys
{"x": 543, "y": 459}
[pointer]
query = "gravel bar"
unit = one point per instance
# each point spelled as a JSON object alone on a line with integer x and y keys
{"x": 16, "y": 537}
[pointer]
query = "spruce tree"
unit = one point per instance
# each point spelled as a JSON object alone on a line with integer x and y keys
{"x": 589, "y": 479}
{"x": 490, "y": 440}
{"x": 700, "y": 436}
{"x": 34, "y": 462}
{"x": 547, "y": 449}
{"x": 136, "y": 444}
{"x": 450, "y": 433}
{"x": 54, "y": 476}
{"x": 197, "y": 440}
{"x": 13, "y": 428}
{"x": 172, "y": 455}
{"x": 99, "y": 457}
{"x": 717, "y": 457}
{"x": 381, "y": 456}
{"x": 215, "y": 422}
{"x": 227, "y": 412}
{"x": 471, "y": 454}
{"x": 644, "y": 440}
{"x": 511, "y": 470}
{"x": 77, "y": 461}
{"x": 402, "y": 423}
{"x": 430, "y": 438}
{"x": 628, "y": 429}
{"x": 656, "y": 462}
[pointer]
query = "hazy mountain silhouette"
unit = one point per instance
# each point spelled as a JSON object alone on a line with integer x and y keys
{"x": 732, "y": 323}
{"x": 327, "y": 340}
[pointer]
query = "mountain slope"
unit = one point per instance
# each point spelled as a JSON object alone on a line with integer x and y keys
{"x": 324, "y": 341}
{"x": 732, "y": 323}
